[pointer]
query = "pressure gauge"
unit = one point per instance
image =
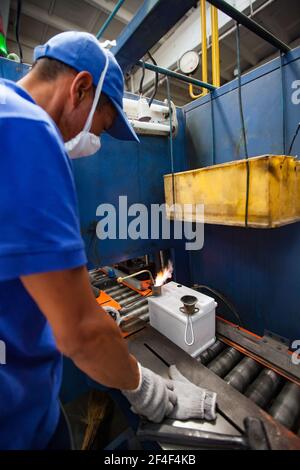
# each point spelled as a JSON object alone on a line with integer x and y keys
{"x": 189, "y": 62}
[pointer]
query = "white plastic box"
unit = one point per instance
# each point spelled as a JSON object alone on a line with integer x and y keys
{"x": 166, "y": 317}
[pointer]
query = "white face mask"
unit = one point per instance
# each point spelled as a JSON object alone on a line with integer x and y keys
{"x": 85, "y": 143}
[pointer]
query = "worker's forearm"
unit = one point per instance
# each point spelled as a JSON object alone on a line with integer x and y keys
{"x": 103, "y": 355}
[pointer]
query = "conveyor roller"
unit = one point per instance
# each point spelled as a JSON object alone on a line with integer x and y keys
{"x": 126, "y": 296}
{"x": 212, "y": 352}
{"x": 223, "y": 363}
{"x": 116, "y": 290}
{"x": 264, "y": 388}
{"x": 243, "y": 374}
{"x": 286, "y": 407}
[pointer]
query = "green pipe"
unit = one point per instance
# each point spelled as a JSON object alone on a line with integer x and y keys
{"x": 3, "y": 46}
{"x": 108, "y": 21}
{"x": 178, "y": 76}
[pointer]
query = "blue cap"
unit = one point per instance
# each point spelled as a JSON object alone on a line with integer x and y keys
{"x": 82, "y": 52}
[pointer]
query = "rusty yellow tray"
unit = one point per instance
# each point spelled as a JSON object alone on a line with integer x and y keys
{"x": 274, "y": 192}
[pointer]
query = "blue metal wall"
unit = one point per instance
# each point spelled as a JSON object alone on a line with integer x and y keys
{"x": 12, "y": 70}
{"x": 258, "y": 269}
{"x": 125, "y": 169}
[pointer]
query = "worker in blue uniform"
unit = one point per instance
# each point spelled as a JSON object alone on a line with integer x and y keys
{"x": 57, "y": 111}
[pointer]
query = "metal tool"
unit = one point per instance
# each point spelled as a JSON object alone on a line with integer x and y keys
{"x": 130, "y": 276}
{"x": 254, "y": 438}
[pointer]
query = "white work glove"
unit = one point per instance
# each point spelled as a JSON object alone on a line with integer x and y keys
{"x": 154, "y": 398}
{"x": 113, "y": 312}
{"x": 192, "y": 401}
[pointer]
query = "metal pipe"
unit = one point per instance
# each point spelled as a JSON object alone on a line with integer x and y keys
{"x": 130, "y": 306}
{"x": 127, "y": 297}
{"x": 124, "y": 295}
{"x": 215, "y": 47}
{"x": 178, "y": 76}
{"x": 222, "y": 364}
{"x": 204, "y": 53}
{"x": 103, "y": 284}
{"x": 243, "y": 374}
{"x": 204, "y": 45}
{"x": 189, "y": 437}
{"x": 264, "y": 388}
{"x": 123, "y": 278}
{"x": 116, "y": 290}
{"x": 250, "y": 24}
{"x": 286, "y": 407}
{"x": 109, "y": 19}
{"x": 134, "y": 314}
{"x": 96, "y": 275}
{"x": 132, "y": 299}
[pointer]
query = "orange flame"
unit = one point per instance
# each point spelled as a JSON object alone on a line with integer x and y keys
{"x": 164, "y": 275}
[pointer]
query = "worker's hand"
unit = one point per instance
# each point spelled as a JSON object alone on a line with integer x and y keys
{"x": 192, "y": 401}
{"x": 154, "y": 398}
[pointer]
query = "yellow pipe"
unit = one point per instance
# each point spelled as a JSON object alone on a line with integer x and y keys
{"x": 204, "y": 45}
{"x": 215, "y": 47}
{"x": 204, "y": 52}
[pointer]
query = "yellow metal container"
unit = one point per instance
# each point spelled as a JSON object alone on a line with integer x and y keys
{"x": 274, "y": 192}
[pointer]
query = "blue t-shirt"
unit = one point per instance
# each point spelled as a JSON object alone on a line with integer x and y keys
{"x": 39, "y": 232}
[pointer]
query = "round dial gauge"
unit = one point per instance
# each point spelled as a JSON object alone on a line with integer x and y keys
{"x": 189, "y": 62}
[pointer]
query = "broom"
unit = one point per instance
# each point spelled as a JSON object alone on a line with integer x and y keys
{"x": 98, "y": 409}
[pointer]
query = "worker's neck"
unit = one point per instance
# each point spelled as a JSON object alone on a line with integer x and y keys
{"x": 48, "y": 95}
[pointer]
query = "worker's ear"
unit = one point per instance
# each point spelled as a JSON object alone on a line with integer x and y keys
{"x": 82, "y": 86}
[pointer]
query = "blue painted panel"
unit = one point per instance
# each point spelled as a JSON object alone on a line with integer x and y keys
{"x": 12, "y": 70}
{"x": 124, "y": 169}
{"x": 258, "y": 269}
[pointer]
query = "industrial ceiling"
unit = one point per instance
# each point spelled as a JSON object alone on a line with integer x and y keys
{"x": 41, "y": 19}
